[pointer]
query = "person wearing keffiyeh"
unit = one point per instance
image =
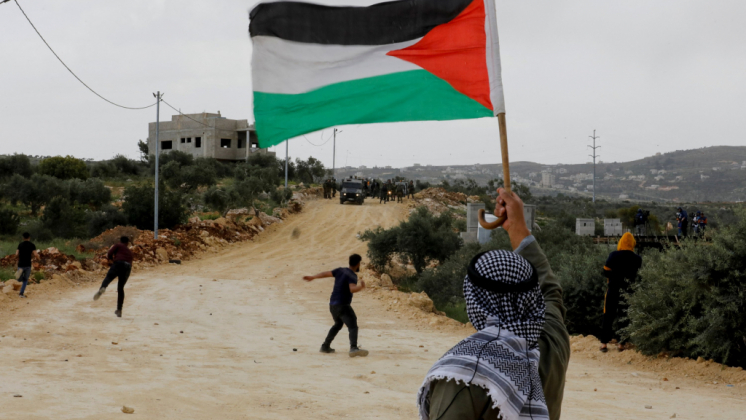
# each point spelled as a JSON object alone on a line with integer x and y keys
{"x": 514, "y": 366}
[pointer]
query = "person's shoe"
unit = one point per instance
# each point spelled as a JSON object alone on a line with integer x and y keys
{"x": 118, "y": 313}
{"x": 23, "y": 296}
{"x": 99, "y": 293}
{"x": 358, "y": 352}
{"x": 326, "y": 349}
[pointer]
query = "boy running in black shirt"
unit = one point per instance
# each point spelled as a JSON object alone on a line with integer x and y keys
{"x": 345, "y": 284}
{"x": 26, "y": 250}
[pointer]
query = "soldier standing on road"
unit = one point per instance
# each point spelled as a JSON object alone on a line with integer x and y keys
{"x": 383, "y": 194}
{"x": 334, "y": 187}
{"x": 400, "y": 192}
{"x": 410, "y": 189}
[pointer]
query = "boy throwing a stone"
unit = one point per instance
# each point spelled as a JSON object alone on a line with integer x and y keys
{"x": 345, "y": 284}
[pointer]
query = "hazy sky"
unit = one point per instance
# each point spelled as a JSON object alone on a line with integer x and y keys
{"x": 649, "y": 76}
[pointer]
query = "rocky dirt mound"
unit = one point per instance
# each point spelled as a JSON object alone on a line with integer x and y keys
{"x": 50, "y": 259}
{"x": 416, "y": 306}
{"x": 708, "y": 371}
{"x": 438, "y": 200}
{"x": 172, "y": 245}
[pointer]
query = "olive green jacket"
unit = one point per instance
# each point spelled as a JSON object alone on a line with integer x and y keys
{"x": 446, "y": 403}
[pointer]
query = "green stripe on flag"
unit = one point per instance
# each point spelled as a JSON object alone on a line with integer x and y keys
{"x": 406, "y": 96}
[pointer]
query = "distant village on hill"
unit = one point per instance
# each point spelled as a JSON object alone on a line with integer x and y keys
{"x": 715, "y": 173}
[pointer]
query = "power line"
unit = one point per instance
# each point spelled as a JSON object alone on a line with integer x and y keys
{"x": 182, "y": 114}
{"x": 68, "y": 68}
{"x": 317, "y": 145}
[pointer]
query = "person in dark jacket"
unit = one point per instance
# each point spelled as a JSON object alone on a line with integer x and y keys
{"x": 683, "y": 218}
{"x": 620, "y": 270}
{"x": 449, "y": 399}
{"x": 26, "y": 252}
{"x": 383, "y": 193}
{"x": 120, "y": 257}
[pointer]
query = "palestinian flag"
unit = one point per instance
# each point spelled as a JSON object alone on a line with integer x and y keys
{"x": 319, "y": 66}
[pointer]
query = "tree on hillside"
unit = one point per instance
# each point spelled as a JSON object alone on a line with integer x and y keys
{"x": 421, "y": 239}
{"x": 15, "y": 164}
{"x": 64, "y": 219}
{"x": 522, "y": 190}
{"x": 66, "y": 167}
{"x": 310, "y": 171}
{"x": 91, "y": 192}
{"x": 139, "y": 206}
{"x": 34, "y": 192}
{"x": 9, "y": 222}
{"x": 144, "y": 151}
{"x": 189, "y": 176}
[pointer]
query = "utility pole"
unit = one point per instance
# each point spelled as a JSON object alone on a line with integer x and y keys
{"x": 158, "y": 96}
{"x": 286, "y": 163}
{"x": 594, "y": 156}
{"x": 334, "y": 156}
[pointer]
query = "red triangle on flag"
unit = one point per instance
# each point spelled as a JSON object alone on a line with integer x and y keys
{"x": 457, "y": 53}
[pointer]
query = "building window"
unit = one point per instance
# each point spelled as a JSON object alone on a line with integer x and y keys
{"x": 225, "y": 143}
{"x": 183, "y": 140}
{"x": 198, "y": 142}
{"x": 167, "y": 145}
{"x": 189, "y": 139}
{"x": 241, "y": 143}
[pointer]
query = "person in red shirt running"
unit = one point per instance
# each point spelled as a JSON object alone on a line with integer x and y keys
{"x": 121, "y": 267}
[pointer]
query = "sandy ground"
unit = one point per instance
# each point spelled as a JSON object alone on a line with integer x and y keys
{"x": 215, "y": 338}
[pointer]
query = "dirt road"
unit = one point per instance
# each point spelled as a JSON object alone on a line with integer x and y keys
{"x": 215, "y": 337}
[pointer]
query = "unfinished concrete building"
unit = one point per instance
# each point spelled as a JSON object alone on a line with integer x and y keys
{"x": 206, "y": 135}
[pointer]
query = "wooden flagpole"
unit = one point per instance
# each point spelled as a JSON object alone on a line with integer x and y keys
{"x": 506, "y": 174}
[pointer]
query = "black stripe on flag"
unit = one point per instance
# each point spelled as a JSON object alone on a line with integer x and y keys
{"x": 379, "y": 24}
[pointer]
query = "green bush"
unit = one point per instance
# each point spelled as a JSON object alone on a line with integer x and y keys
{"x": 107, "y": 218}
{"x": 126, "y": 166}
{"x": 444, "y": 283}
{"x": 189, "y": 177}
{"x": 281, "y": 196}
{"x": 34, "y": 192}
{"x": 66, "y": 167}
{"x": 309, "y": 171}
{"x": 38, "y": 230}
{"x": 584, "y": 288}
{"x": 182, "y": 158}
{"x": 139, "y": 207}
{"x": 9, "y": 222}
{"x": 91, "y": 192}
{"x": 421, "y": 239}
{"x": 692, "y": 301}
{"x": 460, "y": 225}
{"x": 64, "y": 219}
{"x": 15, "y": 164}
{"x": 216, "y": 199}
{"x": 104, "y": 170}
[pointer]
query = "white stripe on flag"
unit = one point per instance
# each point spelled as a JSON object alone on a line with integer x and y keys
{"x": 280, "y": 66}
{"x": 493, "y": 58}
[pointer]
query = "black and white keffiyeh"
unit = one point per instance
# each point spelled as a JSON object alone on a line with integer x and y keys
{"x": 505, "y": 304}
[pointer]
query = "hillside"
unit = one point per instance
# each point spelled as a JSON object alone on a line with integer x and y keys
{"x": 716, "y": 173}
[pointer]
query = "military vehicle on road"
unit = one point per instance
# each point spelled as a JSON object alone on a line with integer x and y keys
{"x": 352, "y": 191}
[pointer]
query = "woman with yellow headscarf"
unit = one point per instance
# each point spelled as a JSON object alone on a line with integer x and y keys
{"x": 620, "y": 270}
